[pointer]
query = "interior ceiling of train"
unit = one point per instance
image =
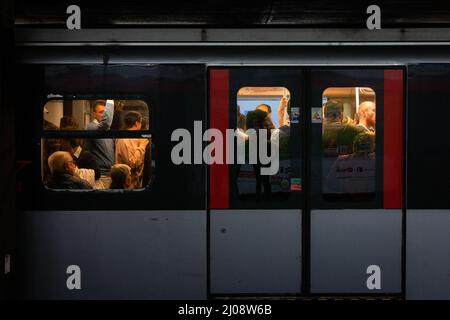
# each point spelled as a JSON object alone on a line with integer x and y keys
{"x": 234, "y": 13}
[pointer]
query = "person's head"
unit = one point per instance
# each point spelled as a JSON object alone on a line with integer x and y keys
{"x": 265, "y": 107}
{"x": 120, "y": 176}
{"x": 99, "y": 109}
{"x": 366, "y": 114}
{"x": 333, "y": 111}
{"x": 61, "y": 162}
{"x": 133, "y": 120}
{"x": 68, "y": 123}
{"x": 258, "y": 119}
{"x": 268, "y": 123}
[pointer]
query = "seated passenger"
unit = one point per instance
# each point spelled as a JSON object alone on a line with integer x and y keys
{"x": 132, "y": 151}
{"x": 120, "y": 176}
{"x": 84, "y": 160}
{"x": 62, "y": 169}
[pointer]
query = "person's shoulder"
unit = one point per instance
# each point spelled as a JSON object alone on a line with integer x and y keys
{"x": 80, "y": 183}
{"x": 91, "y": 126}
{"x": 285, "y": 130}
{"x": 86, "y": 155}
{"x": 361, "y": 128}
{"x": 50, "y": 182}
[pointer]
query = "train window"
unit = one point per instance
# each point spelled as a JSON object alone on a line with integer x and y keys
{"x": 348, "y": 138}
{"x": 72, "y": 159}
{"x": 266, "y": 108}
{"x": 92, "y": 114}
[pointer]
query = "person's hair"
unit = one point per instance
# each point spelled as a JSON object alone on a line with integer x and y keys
{"x": 333, "y": 110}
{"x": 57, "y": 161}
{"x": 269, "y": 109}
{"x": 68, "y": 123}
{"x": 119, "y": 173}
{"x": 98, "y": 103}
{"x": 131, "y": 118}
{"x": 117, "y": 121}
{"x": 255, "y": 119}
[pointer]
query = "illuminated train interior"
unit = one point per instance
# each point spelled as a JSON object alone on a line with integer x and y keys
{"x": 107, "y": 132}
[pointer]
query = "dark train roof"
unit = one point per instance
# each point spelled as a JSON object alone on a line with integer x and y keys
{"x": 234, "y": 13}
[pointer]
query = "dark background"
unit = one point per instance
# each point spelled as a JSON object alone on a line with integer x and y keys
{"x": 7, "y": 149}
{"x": 235, "y": 13}
{"x": 330, "y": 14}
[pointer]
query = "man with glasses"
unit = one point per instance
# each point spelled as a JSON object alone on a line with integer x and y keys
{"x": 63, "y": 169}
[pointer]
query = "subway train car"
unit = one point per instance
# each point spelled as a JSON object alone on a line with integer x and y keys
{"x": 346, "y": 213}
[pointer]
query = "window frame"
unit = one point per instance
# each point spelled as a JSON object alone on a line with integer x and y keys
{"x": 100, "y": 134}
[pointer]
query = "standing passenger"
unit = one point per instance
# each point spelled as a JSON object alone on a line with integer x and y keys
{"x": 367, "y": 116}
{"x": 102, "y": 149}
{"x": 132, "y": 151}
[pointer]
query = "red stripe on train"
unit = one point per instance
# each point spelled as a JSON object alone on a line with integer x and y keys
{"x": 393, "y": 139}
{"x": 218, "y": 111}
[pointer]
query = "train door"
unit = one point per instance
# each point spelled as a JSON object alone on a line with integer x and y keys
{"x": 255, "y": 219}
{"x": 138, "y": 230}
{"x": 355, "y": 155}
{"x": 428, "y": 201}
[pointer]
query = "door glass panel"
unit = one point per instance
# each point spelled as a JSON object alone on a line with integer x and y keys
{"x": 268, "y": 108}
{"x": 348, "y": 137}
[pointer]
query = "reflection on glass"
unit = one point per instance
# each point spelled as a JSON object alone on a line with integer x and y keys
{"x": 348, "y": 137}
{"x": 264, "y": 108}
